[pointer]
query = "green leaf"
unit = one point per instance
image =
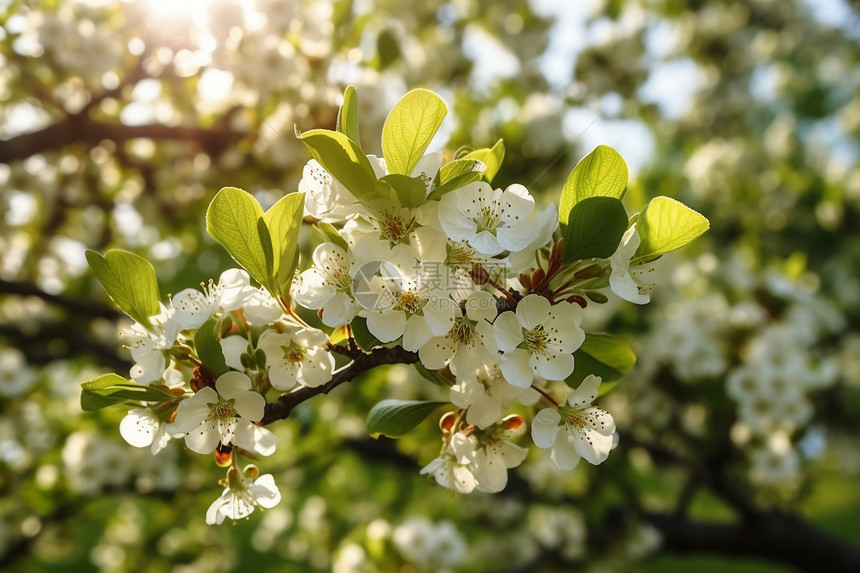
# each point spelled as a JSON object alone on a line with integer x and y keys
{"x": 362, "y": 335}
{"x": 208, "y": 348}
{"x": 347, "y": 115}
{"x": 410, "y": 191}
{"x": 342, "y": 158}
{"x": 603, "y": 355}
{"x": 113, "y": 389}
{"x": 232, "y": 221}
{"x": 595, "y": 228}
{"x": 268, "y": 250}
{"x": 601, "y": 173}
{"x": 665, "y": 225}
{"x": 284, "y": 221}
{"x": 129, "y": 281}
{"x": 409, "y": 128}
{"x": 397, "y": 417}
{"x": 326, "y": 233}
{"x": 432, "y": 375}
{"x": 491, "y": 157}
{"x": 456, "y": 174}
{"x": 387, "y": 49}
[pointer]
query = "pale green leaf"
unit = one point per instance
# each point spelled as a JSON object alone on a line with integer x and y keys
{"x": 409, "y": 129}
{"x": 326, "y": 233}
{"x": 284, "y": 221}
{"x": 129, "y": 281}
{"x": 347, "y": 115}
{"x": 601, "y": 173}
{"x": 232, "y": 221}
{"x": 665, "y": 225}
{"x": 491, "y": 157}
{"x": 456, "y": 174}
{"x": 410, "y": 191}
{"x": 342, "y": 158}
{"x": 111, "y": 389}
{"x": 603, "y": 355}
{"x": 208, "y": 348}
{"x": 395, "y": 418}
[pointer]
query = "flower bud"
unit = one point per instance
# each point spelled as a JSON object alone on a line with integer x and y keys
{"x": 578, "y": 300}
{"x": 225, "y": 325}
{"x": 597, "y": 297}
{"x": 589, "y": 272}
{"x": 223, "y": 455}
{"x": 526, "y": 281}
{"x": 512, "y": 422}
{"x": 446, "y": 423}
{"x": 260, "y": 357}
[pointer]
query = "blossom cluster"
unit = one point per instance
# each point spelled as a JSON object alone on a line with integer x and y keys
{"x": 485, "y": 290}
{"x": 759, "y": 334}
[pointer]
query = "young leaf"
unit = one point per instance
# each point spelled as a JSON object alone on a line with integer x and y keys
{"x": 456, "y": 174}
{"x": 409, "y": 128}
{"x": 326, "y": 233}
{"x": 129, "y": 281}
{"x": 208, "y": 348}
{"x": 362, "y": 334}
{"x": 603, "y": 355}
{"x": 394, "y": 418}
{"x": 387, "y": 49}
{"x": 342, "y": 158}
{"x": 268, "y": 250}
{"x": 347, "y": 115}
{"x": 111, "y": 389}
{"x": 284, "y": 221}
{"x": 595, "y": 228}
{"x": 232, "y": 221}
{"x": 410, "y": 191}
{"x": 432, "y": 375}
{"x": 601, "y": 173}
{"x": 492, "y": 158}
{"x": 665, "y": 225}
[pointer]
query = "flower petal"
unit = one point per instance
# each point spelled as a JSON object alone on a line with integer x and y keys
{"x": 508, "y": 331}
{"x": 254, "y": 438}
{"x": 232, "y": 384}
{"x": 545, "y": 427}
{"x": 516, "y": 368}
{"x": 532, "y": 311}
{"x": 564, "y": 454}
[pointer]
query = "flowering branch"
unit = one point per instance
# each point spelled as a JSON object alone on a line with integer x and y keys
{"x": 281, "y": 408}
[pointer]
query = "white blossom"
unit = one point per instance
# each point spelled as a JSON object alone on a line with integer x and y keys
{"x": 297, "y": 356}
{"x": 485, "y": 395}
{"x": 327, "y": 285}
{"x": 226, "y": 416}
{"x": 453, "y": 469}
{"x": 241, "y": 497}
{"x": 497, "y": 455}
{"x": 470, "y": 341}
{"x": 576, "y": 428}
{"x": 631, "y": 284}
{"x": 491, "y": 221}
{"x": 142, "y": 427}
{"x": 538, "y": 339}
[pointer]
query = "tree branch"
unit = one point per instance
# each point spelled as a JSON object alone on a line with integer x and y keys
{"x": 76, "y": 306}
{"x": 778, "y": 537}
{"x": 281, "y": 408}
{"x": 83, "y": 128}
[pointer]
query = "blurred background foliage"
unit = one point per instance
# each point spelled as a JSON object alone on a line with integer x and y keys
{"x": 120, "y": 120}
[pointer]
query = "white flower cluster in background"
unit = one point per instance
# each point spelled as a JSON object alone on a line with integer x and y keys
{"x": 766, "y": 347}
